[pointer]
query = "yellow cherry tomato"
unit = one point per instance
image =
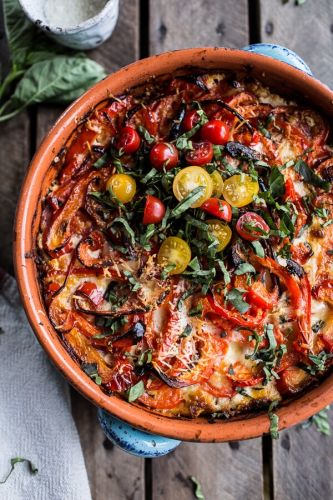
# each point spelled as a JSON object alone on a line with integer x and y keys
{"x": 220, "y": 231}
{"x": 190, "y": 178}
{"x": 239, "y": 190}
{"x": 175, "y": 251}
{"x": 122, "y": 186}
{"x": 217, "y": 184}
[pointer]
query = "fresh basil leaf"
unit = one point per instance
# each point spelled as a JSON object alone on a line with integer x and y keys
{"x": 146, "y": 135}
{"x": 16, "y": 460}
{"x": 186, "y": 203}
{"x": 135, "y": 391}
{"x": 235, "y": 297}
{"x": 133, "y": 281}
{"x": 320, "y": 420}
{"x": 149, "y": 176}
{"x": 274, "y": 420}
{"x": 91, "y": 370}
{"x": 183, "y": 141}
{"x": 310, "y": 176}
{"x": 258, "y": 248}
{"x": 276, "y": 183}
{"x": 226, "y": 275}
{"x": 101, "y": 161}
{"x": 59, "y": 80}
{"x": 244, "y": 268}
{"x": 195, "y": 264}
{"x": 197, "y": 489}
{"x": 127, "y": 227}
{"x": 187, "y": 331}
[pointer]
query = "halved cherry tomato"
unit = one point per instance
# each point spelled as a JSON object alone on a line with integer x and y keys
{"x": 201, "y": 153}
{"x": 163, "y": 155}
{"x": 128, "y": 140}
{"x": 154, "y": 210}
{"x": 191, "y": 119}
{"x": 219, "y": 208}
{"x": 175, "y": 251}
{"x": 190, "y": 178}
{"x": 215, "y": 131}
{"x": 123, "y": 186}
{"x": 217, "y": 184}
{"x": 220, "y": 231}
{"x": 250, "y": 226}
{"x": 239, "y": 190}
{"x": 91, "y": 291}
{"x": 261, "y": 297}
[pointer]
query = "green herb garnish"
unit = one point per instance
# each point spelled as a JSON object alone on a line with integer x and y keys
{"x": 135, "y": 391}
{"x": 16, "y": 460}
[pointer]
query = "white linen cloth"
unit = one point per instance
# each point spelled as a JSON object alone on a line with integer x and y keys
{"x": 35, "y": 414}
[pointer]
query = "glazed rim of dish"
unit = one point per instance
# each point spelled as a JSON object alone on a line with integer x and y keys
{"x": 37, "y": 180}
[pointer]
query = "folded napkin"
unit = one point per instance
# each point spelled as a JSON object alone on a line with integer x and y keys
{"x": 35, "y": 414}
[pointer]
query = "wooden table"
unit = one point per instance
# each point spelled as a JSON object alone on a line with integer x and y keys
{"x": 297, "y": 466}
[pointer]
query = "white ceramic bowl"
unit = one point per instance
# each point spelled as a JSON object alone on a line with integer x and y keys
{"x": 82, "y": 36}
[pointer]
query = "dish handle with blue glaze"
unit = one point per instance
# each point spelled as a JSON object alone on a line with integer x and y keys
{"x": 127, "y": 437}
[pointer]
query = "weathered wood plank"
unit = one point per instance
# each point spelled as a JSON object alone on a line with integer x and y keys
{"x": 228, "y": 471}
{"x": 302, "y": 465}
{"x": 306, "y": 29}
{"x": 177, "y": 25}
{"x": 112, "y": 473}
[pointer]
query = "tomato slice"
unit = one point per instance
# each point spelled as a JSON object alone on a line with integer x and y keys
{"x": 215, "y": 131}
{"x": 261, "y": 297}
{"x": 250, "y": 226}
{"x": 90, "y": 290}
{"x": 174, "y": 251}
{"x": 201, "y": 153}
{"x": 128, "y": 141}
{"x": 244, "y": 376}
{"x": 219, "y": 385}
{"x": 191, "y": 119}
{"x": 221, "y": 232}
{"x": 190, "y": 178}
{"x": 123, "y": 376}
{"x": 239, "y": 190}
{"x": 154, "y": 210}
{"x": 217, "y": 184}
{"x": 163, "y": 155}
{"x": 219, "y": 208}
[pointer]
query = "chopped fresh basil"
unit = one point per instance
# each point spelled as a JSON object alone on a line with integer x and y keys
{"x": 285, "y": 252}
{"x": 184, "y": 296}
{"x": 244, "y": 268}
{"x": 327, "y": 223}
{"x": 150, "y": 175}
{"x": 196, "y": 311}
{"x": 258, "y": 248}
{"x": 101, "y": 161}
{"x": 276, "y": 183}
{"x": 264, "y": 131}
{"x": 186, "y": 203}
{"x": 16, "y": 460}
{"x": 197, "y": 489}
{"x": 145, "y": 358}
{"x": 135, "y": 391}
{"x": 166, "y": 271}
{"x": 319, "y": 362}
{"x": 183, "y": 141}
{"x": 90, "y": 369}
{"x": 274, "y": 420}
{"x": 320, "y": 420}
{"x": 195, "y": 264}
{"x": 323, "y": 213}
{"x": 236, "y": 298}
{"x": 225, "y": 272}
{"x": 243, "y": 392}
{"x": 146, "y": 135}
{"x": 133, "y": 281}
{"x": 127, "y": 227}
{"x": 187, "y": 331}
{"x": 310, "y": 176}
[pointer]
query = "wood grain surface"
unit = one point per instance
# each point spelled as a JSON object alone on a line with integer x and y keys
{"x": 307, "y": 29}
{"x": 299, "y": 465}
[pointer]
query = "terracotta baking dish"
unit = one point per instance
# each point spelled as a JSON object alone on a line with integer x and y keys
{"x": 279, "y": 74}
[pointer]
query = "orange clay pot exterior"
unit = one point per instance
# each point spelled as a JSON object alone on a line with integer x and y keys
{"x": 38, "y": 178}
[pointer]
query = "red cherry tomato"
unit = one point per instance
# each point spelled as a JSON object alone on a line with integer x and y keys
{"x": 154, "y": 210}
{"x": 128, "y": 140}
{"x": 163, "y": 154}
{"x": 251, "y": 226}
{"x": 215, "y": 131}
{"x": 219, "y": 208}
{"x": 201, "y": 153}
{"x": 190, "y": 120}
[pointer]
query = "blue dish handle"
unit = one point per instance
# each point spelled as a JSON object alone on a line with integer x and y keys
{"x": 125, "y": 436}
{"x": 133, "y": 441}
{"x": 281, "y": 53}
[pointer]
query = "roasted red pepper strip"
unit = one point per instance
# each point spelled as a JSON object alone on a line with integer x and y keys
{"x": 261, "y": 297}
{"x": 91, "y": 291}
{"x": 234, "y": 316}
